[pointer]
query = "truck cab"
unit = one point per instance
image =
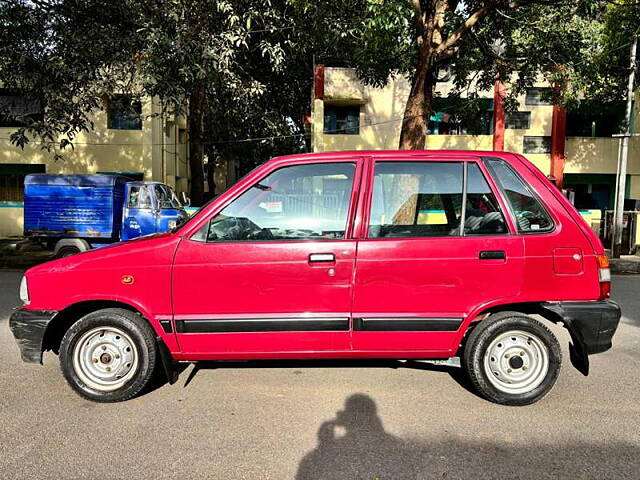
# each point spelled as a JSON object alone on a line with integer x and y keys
{"x": 75, "y": 213}
{"x": 150, "y": 207}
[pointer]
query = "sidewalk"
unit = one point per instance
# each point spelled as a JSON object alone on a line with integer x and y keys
{"x": 625, "y": 264}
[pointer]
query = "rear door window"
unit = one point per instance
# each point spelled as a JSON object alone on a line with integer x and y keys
{"x": 416, "y": 199}
{"x": 425, "y": 199}
{"x": 531, "y": 217}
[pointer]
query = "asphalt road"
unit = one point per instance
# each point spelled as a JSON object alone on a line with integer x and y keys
{"x": 324, "y": 420}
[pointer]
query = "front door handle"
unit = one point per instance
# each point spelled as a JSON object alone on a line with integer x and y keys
{"x": 492, "y": 255}
{"x": 322, "y": 258}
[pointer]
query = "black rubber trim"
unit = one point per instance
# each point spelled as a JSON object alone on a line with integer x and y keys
{"x": 591, "y": 326}
{"x": 492, "y": 255}
{"x": 262, "y": 325}
{"x": 403, "y": 324}
{"x": 166, "y": 326}
{"x": 28, "y": 328}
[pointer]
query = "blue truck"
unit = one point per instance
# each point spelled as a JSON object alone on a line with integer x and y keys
{"x": 74, "y": 213}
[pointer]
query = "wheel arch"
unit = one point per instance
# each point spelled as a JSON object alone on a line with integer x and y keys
{"x": 72, "y": 313}
{"x": 527, "y": 308}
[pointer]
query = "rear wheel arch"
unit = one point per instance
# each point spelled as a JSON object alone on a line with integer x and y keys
{"x": 528, "y": 308}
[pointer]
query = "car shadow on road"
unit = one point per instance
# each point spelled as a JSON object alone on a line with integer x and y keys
{"x": 355, "y": 444}
{"x": 456, "y": 373}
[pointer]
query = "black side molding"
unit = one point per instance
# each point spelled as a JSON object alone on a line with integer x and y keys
{"x": 166, "y": 326}
{"x": 262, "y": 325}
{"x": 403, "y": 324}
{"x": 492, "y": 255}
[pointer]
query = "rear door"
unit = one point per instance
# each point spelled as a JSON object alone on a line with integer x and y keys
{"x": 436, "y": 244}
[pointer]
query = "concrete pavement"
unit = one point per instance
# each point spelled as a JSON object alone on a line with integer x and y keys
{"x": 324, "y": 420}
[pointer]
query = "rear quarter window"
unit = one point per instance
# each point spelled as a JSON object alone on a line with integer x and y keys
{"x": 530, "y": 215}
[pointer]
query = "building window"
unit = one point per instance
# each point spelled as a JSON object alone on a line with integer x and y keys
{"x": 456, "y": 116}
{"x": 17, "y": 110}
{"x": 342, "y": 120}
{"x": 519, "y": 120}
{"x": 538, "y": 96}
{"x": 12, "y": 180}
{"x": 536, "y": 145}
{"x": 124, "y": 113}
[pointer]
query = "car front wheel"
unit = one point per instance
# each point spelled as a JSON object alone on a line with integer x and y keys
{"x": 512, "y": 359}
{"x": 109, "y": 355}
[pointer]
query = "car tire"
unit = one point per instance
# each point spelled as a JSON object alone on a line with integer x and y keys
{"x": 512, "y": 359}
{"x": 109, "y": 355}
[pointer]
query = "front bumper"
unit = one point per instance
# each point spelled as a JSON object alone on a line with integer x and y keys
{"x": 28, "y": 328}
{"x": 591, "y": 326}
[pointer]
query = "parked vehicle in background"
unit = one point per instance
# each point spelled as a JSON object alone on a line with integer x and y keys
{"x": 422, "y": 255}
{"x": 74, "y": 213}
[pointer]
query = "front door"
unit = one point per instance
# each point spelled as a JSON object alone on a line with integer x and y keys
{"x": 271, "y": 273}
{"x": 433, "y": 251}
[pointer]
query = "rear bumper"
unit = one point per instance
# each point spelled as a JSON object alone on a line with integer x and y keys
{"x": 28, "y": 328}
{"x": 590, "y": 324}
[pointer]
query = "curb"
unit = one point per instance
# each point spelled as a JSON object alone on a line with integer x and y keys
{"x": 621, "y": 265}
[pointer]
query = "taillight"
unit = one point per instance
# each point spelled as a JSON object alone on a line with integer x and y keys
{"x": 604, "y": 276}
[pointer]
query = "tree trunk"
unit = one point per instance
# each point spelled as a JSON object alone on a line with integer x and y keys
{"x": 413, "y": 134}
{"x": 196, "y": 144}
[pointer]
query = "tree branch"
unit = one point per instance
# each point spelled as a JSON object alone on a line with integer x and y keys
{"x": 453, "y": 39}
{"x": 418, "y": 19}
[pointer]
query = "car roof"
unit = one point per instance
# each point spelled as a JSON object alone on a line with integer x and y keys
{"x": 429, "y": 155}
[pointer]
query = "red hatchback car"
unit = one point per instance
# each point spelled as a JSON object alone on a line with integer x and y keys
{"x": 408, "y": 255}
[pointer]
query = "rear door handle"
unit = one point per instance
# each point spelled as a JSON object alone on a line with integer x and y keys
{"x": 492, "y": 255}
{"x": 322, "y": 258}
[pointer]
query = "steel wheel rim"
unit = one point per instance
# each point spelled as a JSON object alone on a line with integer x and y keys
{"x": 516, "y": 362}
{"x": 105, "y": 358}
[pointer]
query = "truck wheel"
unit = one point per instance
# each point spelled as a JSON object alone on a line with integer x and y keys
{"x": 512, "y": 359}
{"x": 67, "y": 252}
{"x": 109, "y": 355}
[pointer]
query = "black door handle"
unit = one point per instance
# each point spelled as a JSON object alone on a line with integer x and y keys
{"x": 492, "y": 255}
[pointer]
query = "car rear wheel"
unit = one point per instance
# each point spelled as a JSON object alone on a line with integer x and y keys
{"x": 109, "y": 355}
{"x": 512, "y": 359}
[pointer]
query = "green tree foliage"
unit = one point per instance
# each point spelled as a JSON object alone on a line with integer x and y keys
{"x": 576, "y": 45}
{"x": 238, "y": 69}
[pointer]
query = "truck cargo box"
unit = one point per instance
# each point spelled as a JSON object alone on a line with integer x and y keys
{"x": 82, "y": 206}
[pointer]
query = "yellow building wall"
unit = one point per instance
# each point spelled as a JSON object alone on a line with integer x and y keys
{"x": 382, "y": 110}
{"x": 381, "y": 119}
{"x": 101, "y": 150}
{"x": 11, "y": 221}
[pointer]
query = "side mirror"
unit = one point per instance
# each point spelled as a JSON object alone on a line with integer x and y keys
{"x": 186, "y": 201}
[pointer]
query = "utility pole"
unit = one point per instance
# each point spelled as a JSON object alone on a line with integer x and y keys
{"x": 623, "y": 157}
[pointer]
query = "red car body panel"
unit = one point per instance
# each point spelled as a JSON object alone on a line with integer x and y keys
{"x": 170, "y": 277}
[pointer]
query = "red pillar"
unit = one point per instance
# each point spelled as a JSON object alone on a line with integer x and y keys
{"x": 498, "y": 116}
{"x": 318, "y": 82}
{"x": 558, "y": 135}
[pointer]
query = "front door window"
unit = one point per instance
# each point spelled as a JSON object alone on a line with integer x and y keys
{"x": 302, "y": 202}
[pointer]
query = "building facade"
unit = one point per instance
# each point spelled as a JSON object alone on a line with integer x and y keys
{"x": 348, "y": 115}
{"x": 142, "y": 143}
